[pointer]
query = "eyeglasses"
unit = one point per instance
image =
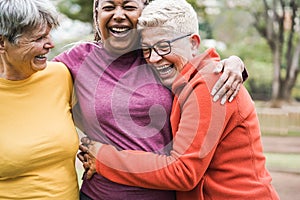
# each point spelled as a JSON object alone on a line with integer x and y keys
{"x": 162, "y": 48}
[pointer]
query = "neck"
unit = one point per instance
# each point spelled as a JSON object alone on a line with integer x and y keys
{"x": 13, "y": 75}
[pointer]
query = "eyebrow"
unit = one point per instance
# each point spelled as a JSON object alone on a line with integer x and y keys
{"x": 111, "y": 1}
{"x": 162, "y": 40}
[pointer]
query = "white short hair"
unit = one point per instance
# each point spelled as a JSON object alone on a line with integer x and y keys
{"x": 178, "y": 15}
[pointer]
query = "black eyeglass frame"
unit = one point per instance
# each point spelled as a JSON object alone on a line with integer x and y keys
{"x": 149, "y": 48}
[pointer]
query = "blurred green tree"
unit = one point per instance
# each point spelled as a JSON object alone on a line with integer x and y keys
{"x": 77, "y": 9}
{"x": 204, "y": 25}
{"x": 278, "y": 22}
{"x": 82, "y": 10}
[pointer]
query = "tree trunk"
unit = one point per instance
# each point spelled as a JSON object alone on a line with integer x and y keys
{"x": 276, "y": 22}
{"x": 292, "y": 74}
{"x": 276, "y": 75}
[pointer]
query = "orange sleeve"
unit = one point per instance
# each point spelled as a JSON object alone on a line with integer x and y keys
{"x": 193, "y": 146}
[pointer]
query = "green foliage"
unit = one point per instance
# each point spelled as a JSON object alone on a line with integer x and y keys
{"x": 195, "y": 5}
{"x": 257, "y": 57}
{"x": 232, "y": 26}
{"x": 205, "y": 30}
{"x": 204, "y": 25}
{"x": 77, "y": 9}
{"x": 63, "y": 46}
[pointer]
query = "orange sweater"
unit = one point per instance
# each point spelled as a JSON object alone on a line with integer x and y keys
{"x": 217, "y": 151}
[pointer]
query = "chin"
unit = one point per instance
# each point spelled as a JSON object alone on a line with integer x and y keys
{"x": 167, "y": 83}
{"x": 40, "y": 67}
{"x": 118, "y": 50}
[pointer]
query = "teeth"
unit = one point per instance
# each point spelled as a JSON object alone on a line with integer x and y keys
{"x": 119, "y": 29}
{"x": 40, "y": 56}
{"x": 165, "y": 69}
{"x": 162, "y": 67}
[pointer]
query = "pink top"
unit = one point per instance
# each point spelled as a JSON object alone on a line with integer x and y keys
{"x": 120, "y": 102}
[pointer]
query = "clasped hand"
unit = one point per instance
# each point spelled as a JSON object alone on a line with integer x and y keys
{"x": 87, "y": 155}
{"x": 228, "y": 85}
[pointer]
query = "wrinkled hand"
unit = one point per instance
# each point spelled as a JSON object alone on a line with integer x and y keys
{"x": 88, "y": 156}
{"x": 228, "y": 85}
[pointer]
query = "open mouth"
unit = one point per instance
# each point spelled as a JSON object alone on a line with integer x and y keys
{"x": 165, "y": 69}
{"x": 41, "y": 57}
{"x": 120, "y": 31}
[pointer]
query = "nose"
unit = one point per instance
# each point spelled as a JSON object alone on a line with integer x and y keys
{"x": 119, "y": 14}
{"x": 49, "y": 44}
{"x": 154, "y": 57}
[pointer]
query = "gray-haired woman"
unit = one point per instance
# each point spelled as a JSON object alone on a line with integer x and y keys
{"x": 38, "y": 140}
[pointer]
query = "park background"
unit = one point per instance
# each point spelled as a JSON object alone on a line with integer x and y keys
{"x": 266, "y": 35}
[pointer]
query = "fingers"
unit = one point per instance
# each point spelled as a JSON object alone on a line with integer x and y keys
{"x": 85, "y": 141}
{"x": 89, "y": 146}
{"x": 84, "y": 149}
{"x": 80, "y": 156}
{"x": 231, "y": 93}
{"x": 86, "y": 157}
{"x": 90, "y": 150}
{"x": 90, "y": 173}
{"x": 90, "y": 167}
{"x": 228, "y": 89}
{"x": 86, "y": 166}
{"x": 219, "y": 88}
{"x": 228, "y": 85}
{"x": 235, "y": 93}
{"x": 227, "y": 96}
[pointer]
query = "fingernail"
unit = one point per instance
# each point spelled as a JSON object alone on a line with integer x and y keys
{"x": 230, "y": 100}
{"x": 213, "y": 92}
{"x": 223, "y": 101}
{"x": 216, "y": 98}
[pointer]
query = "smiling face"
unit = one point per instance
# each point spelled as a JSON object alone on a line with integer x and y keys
{"x": 168, "y": 66}
{"x": 29, "y": 54}
{"x": 117, "y": 22}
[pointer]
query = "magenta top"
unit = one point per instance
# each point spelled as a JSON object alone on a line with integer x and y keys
{"x": 120, "y": 102}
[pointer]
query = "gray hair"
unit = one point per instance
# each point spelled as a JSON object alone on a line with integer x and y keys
{"x": 17, "y": 16}
{"x": 176, "y": 14}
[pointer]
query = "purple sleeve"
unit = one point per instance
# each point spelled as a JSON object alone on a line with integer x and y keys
{"x": 74, "y": 57}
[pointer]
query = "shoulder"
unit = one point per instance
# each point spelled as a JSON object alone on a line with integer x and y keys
{"x": 244, "y": 103}
{"x": 58, "y": 70}
{"x": 56, "y": 67}
{"x": 76, "y": 53}
{"x": 201, "y": 71}
{"x": 82, "y": 47}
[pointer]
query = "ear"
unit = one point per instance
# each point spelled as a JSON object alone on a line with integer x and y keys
{"x": 195, "y": 42}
